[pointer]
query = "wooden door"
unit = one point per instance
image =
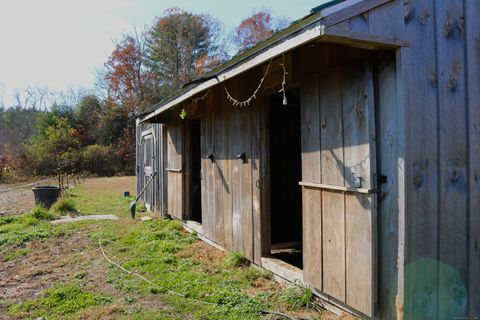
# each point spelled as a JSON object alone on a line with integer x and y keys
{"x": 174, "y": 168}
{"x": 338, "y": 185}
{"x": 148, "y": 165}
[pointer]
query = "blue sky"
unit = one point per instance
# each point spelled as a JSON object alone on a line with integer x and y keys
{"x": 60, "y": 43}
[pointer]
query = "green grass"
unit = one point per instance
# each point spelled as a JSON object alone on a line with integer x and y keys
{"x": 236, "y": 259}
{"x": 159, "y": 250}
{"x": 59, "y": 300}
{"x": 299, "y": 296}
{"x": 64, "y": 205}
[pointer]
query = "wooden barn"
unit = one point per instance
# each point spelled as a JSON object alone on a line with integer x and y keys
{"x": 344, "y": 152}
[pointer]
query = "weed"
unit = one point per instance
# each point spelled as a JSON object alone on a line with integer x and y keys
{"x": 298, "y": 296}
{"x": 64, "y": 206}
{"x": 41, "y": 213}
{"x": 253, "y": 273}
{"x": 141, "y": 207}
{"x": 236, "y": 259}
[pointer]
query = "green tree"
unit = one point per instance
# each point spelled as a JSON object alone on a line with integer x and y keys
{"x": 50, "y": 149}
{"x": 182, "y": 45}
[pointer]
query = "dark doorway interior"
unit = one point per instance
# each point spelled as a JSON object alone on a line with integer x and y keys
{"x": 285, "y": 174}
{"x": 196, "y": 214}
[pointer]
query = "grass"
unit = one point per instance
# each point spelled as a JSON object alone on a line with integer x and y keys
{"x": 64, "y": 205}
{"x": 299, "y": 296}
{"x": 59, "y": 300}
{"x": 189, "y": 280}
{"x": 236, "y": 259}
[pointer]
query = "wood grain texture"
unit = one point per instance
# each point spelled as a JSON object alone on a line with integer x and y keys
{"x": 312, "y": 244}
{"x": 207, "y": 172}
{"x": 257, "y": 143}
{"x": 359, "y": 231}
{"x": 358, "y": 99}
{"x": 453, "y": 158}
{"x": 388, "y": 143}
{"x": 175, "y": 161}
{"x": 331, "y": 128}
{"x": 310, "y": 131}
{"x": 473, "y": 77}
{"x": 333, "y": 234}
{"x": 220, "y": 193}
{"x": 422, "y": 167}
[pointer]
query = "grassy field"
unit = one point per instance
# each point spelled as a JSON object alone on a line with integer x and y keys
{"x": 59, "y": 272}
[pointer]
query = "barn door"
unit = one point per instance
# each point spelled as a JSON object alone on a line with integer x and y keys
{"x": 338, "y": 187}
{"x": 174, "y": 169}
{"x": 148, "y": 164}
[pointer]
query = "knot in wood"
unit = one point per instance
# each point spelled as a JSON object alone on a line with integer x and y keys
{"x": 447, "y": 28}
{"x": 324, "y": 123}
{"x": 461, "y": 24}
{"x": 452, "y": 81}
{"x": 423, "y": 17}
{"x": 433, "y": 78}
{"x": 408, "y": 12}
{"x": 417, "y": 176}
{"x": 452, "y": 170}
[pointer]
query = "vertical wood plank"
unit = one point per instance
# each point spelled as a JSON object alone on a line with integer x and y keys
{"x": 472, "y": 9}
{"x": 208, "y": 180}
{"x": 359, "y": 231}
{"x": 360, "y": 163}
{"x": 257, "y": 142}
{"x": 227, "y": 171}
{"x": 310, "y": 131}
{"x": 453, "y": 158}
{"x": 312, "y": 241}
{"x": 246, "y": 184}
{"x": 331, "y": 128}
{"x": 422, "y": 176}
{"x": 333, "y": 231}
{"x": 357, "y": 99}
{"x": 388, "y": 142}
{"x": 219, "y": 137}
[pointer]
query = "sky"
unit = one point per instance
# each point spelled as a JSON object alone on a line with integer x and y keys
{"x": 61, "y": 43}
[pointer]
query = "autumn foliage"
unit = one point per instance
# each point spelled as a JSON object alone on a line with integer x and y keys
{"x": 95, "y": 131}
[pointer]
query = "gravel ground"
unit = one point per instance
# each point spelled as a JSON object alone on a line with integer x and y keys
{"x": 19, "y": 200}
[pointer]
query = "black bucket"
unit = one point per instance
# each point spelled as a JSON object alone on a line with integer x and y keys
{"x": 46, "y": 195}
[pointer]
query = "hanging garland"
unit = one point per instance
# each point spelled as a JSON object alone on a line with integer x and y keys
{"x": 284, "y": 82}
{"x": 246, "y": 102}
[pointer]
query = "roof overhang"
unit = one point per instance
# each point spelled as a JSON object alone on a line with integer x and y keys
{"x": 319, "y": 27}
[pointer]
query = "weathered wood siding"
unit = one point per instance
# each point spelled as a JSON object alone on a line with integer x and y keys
{"x": 155, "y": 192}
{"x": 230, "y": 193}
{"x": 442, "y": 190}
{"x": 421, "y": 127}
{"x": 338, "y": 148}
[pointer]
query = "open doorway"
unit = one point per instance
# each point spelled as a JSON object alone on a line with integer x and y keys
{"x": 195, "y": 162}
{"x": 285, "y": 174}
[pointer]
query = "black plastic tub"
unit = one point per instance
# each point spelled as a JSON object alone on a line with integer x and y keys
{"x": 46, "y": 195}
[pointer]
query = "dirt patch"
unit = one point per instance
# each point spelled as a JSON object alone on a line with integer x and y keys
{"x": 52, "y": 261}
{"x": 210, "y": 257}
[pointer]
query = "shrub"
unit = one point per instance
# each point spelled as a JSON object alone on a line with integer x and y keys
{"x": 64, "y": 205}
{"x": 99, "y": 160}
{"x": 40, "y": 213}
{"x": 236, "y": 259}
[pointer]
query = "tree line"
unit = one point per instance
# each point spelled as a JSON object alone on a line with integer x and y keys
{"x": 94, "y": 130}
